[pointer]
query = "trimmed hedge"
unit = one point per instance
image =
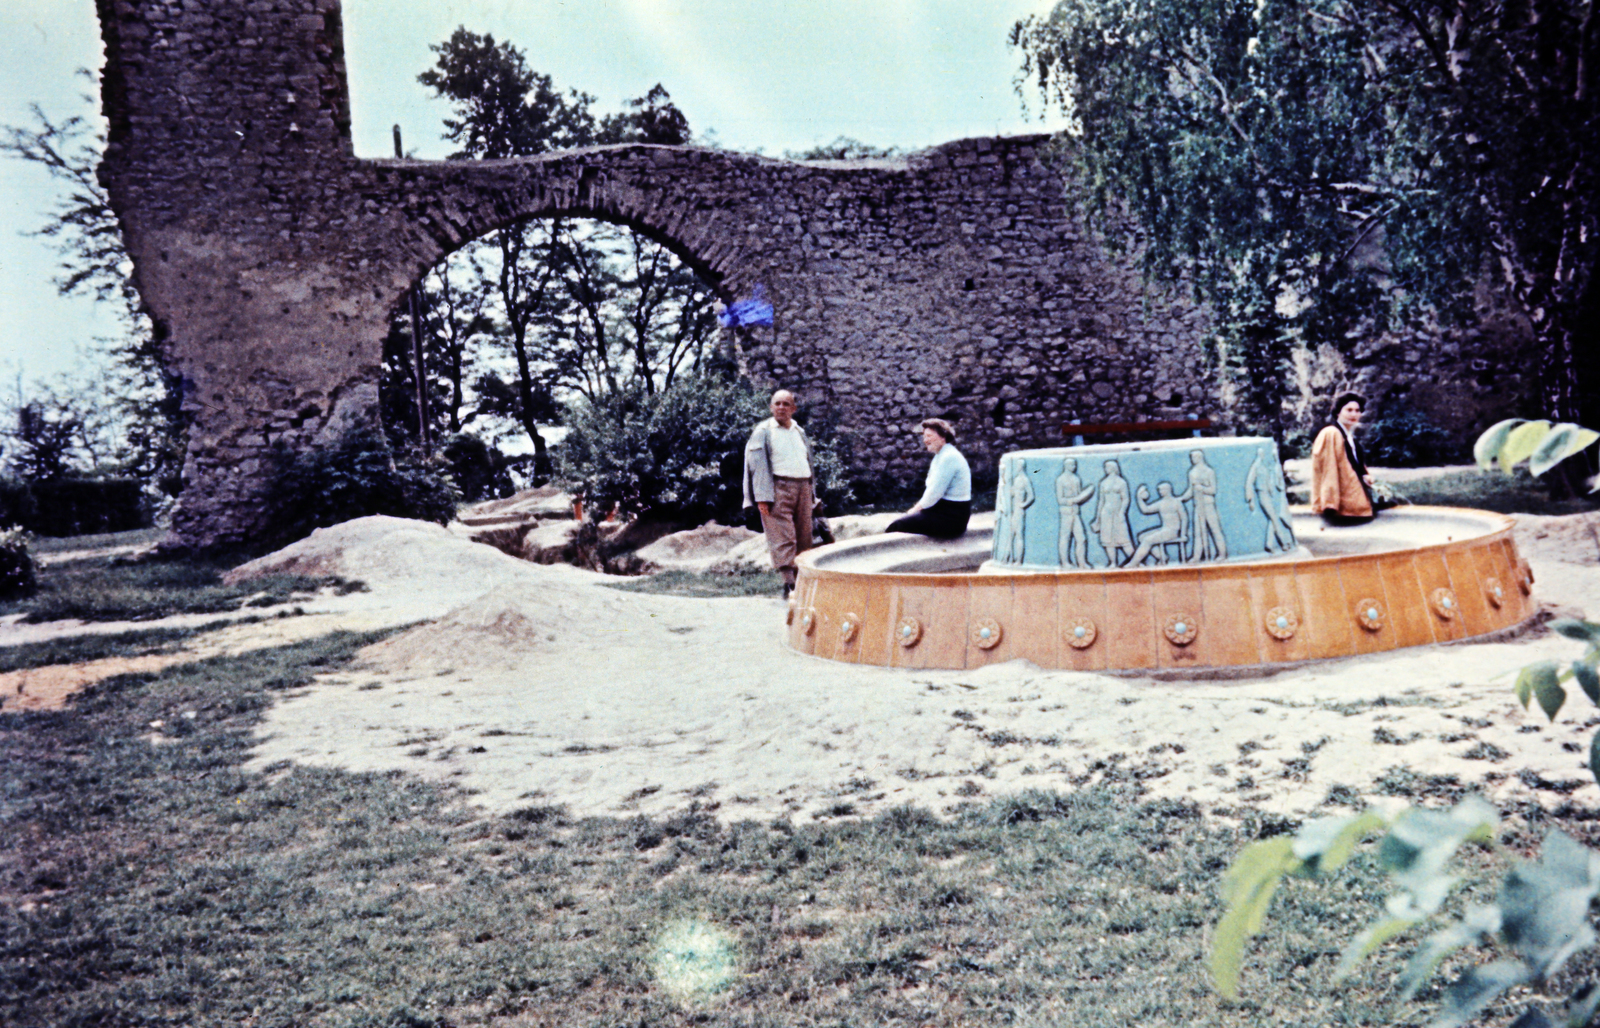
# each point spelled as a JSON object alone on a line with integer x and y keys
{"x": 74, "y": 506}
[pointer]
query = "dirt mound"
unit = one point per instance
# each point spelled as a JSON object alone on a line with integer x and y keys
{"x": 381, "y": 550}
{"x": 501, "y": 628}
{"x": 694, "y": 550}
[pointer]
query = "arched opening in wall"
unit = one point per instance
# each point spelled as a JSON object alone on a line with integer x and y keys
{"x": 524, "y": 325}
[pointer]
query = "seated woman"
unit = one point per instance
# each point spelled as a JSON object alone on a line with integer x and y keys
{"x": 1341, "y": 489}
{"x": 946, "y": 503}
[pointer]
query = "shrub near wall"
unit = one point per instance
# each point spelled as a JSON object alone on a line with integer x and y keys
{"x": 677, "y": 455}
{"x": 74, "y": 506}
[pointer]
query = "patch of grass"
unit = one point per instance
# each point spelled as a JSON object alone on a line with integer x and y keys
{"x": 1354, "y": 707}
{"x": 79, "y": 649}
{"x": 1517, "y": 493}
{"x": 154, "y": 882}
{"x": 704, "y": 584}
{"x": 104, "y": 541}
{"x": 150, "y": 881}
{"x": 104, "y": 589}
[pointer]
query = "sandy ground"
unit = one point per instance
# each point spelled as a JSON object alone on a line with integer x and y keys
{"x": 525, "y": 684}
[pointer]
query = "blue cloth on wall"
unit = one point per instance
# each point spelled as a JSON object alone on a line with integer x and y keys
{"x": 754, "y": 311}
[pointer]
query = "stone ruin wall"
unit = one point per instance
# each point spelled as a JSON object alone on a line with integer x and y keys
{"x": 955, "y": 282}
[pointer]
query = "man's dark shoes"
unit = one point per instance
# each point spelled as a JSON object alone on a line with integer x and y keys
{"x": 787, "y": 589}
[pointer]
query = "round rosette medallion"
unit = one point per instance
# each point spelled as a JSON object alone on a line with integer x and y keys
{"x": 1443, "y": 602}
{"x": 1494, "y": 591}
{"x": 1080, "y": 633}
{"x": 986, "y": 633}
{"x": 908, "y": 632}
{"x": 808, "y": 621}
{"x": 1370, "y": 614}
{"x": 1525, "y": 577}
{"x": 1282, "y": 622}
{"x": 848, "y": 627}
{"x": 1180, "y": 629}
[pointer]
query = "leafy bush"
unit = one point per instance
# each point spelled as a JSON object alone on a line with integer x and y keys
{"x": 1539, "y": 920}
{"x": 478, "y": 469}
{"x": 18, "y": 574}
{"x": 1404, "y": 437}
{"x": 358, "y": 477}
{"x": 677, "y": 455}
{"x": 74, "y": 505}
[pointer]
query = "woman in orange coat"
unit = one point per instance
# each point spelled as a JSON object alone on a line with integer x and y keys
{"x": 1341, "y": 489}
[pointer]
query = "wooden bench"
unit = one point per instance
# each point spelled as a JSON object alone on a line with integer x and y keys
{"x": 1160, "y": 429}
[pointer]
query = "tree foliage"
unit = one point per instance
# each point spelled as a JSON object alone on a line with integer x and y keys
{"x": 549, "y": 307}
{"x": 1321, "y": 169}
{"x": 143, "y": 398}
{"x": 676, "y": 454}
{"x": 359, "y": 476}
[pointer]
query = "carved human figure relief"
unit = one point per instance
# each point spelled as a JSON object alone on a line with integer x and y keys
{"x": 1209, "y": 542}
{"x": 1265, "y": 482}
{"x": 1073, "y": 545}
{"x": 1111, "y": 514}
{"x": 1021, "y": 499}
{"x": 1173, "y": 528}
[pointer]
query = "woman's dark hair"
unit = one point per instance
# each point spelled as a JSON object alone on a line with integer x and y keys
{"x": 941, "y": 426}
{"x": 1344, "y": 398}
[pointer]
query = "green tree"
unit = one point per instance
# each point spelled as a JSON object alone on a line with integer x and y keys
{"x": 95, "y": 263}
{"x": 1321, "y": 169}
{"x": 570, "y": 305}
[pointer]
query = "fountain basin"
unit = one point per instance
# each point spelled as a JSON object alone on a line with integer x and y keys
{"x": 1413, "y": 576}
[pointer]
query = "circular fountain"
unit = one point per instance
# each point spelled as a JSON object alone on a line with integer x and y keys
{"x": 1163, "y": 555}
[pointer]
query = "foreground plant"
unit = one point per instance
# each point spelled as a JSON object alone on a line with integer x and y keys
{"x": 1543, "y": 681}
{"x": 1539, "y": 920}
{"x": 1541, "y": 444}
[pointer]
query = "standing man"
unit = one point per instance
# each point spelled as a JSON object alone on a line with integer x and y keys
{"x": 777, "y": 481}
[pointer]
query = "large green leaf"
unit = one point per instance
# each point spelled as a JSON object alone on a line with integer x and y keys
{"x": 1521, "y": 443}
{"x": 1368, "y": 940}
{"x": 1489, "y": 445}
{"x": 1422, "y": 841}
{"x": 1544, "y": 904}
{"x": 1326, "y": 843}
{"x": 1247, "y": 890}
{"x": 1563, "y": 441}
{"x": 1478, "y": 923}
{"x": 1588, "y": 678}
{"x": 1542, "y": 680}
{"x": 1475, "y": 989}
{"x": 1583, "y": 631}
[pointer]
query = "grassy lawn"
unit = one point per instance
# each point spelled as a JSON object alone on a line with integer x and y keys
{"x": 146, "y": 879}
{"x": 44, "y": 544}
{"x": 1509, "y": 494}
{"x": 104, "y": 588}
{"x": 704, "y": 584}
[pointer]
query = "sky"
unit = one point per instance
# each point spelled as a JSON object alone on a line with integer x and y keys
{"x": 767, "y": 77}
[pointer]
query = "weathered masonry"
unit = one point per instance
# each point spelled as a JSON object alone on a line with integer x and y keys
{"x": 955, "y": 281}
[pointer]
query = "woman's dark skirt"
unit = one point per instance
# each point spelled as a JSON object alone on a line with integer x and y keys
{"x": 946, "y": 519}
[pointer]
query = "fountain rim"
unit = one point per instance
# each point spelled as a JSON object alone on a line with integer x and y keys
{"x": 1500, "y": 526}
